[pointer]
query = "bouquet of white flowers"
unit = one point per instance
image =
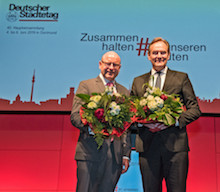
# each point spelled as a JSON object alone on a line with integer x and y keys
{"x": 108, "y": 114}
{"x": 156, "y": 106}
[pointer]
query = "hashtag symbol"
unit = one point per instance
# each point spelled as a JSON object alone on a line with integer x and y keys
{"x": 142, "y": 44}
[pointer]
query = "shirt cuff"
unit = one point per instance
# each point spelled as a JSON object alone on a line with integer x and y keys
{"x": 124, "y": 157}
{"x": 140, "y": 125}
{"x": 177, "y": 123}
{"x": 90, "y": 131}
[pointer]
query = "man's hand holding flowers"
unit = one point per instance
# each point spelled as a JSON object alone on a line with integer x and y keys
{"x": 156, "y": 110}
{"x": 107, "y": 114}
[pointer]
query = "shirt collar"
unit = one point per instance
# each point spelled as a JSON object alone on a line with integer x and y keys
{"x": 104, "y": 80}
{"x": 163, "y": 71}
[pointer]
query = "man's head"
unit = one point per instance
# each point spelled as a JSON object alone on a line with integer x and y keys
{"x": 159, "y": 53}
{"x": 110, "y": 65}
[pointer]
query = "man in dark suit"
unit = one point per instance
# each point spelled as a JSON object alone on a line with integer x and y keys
{"x": 98, "y": 170}
{"x": 164, "y": 153}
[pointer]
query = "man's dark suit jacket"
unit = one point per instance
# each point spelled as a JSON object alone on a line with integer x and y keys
{"x": 86, "y": 147}
{"x": 174, "y": 138}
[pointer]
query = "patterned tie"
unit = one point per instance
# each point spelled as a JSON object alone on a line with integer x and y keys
{"x": 158, "y": 81}
{"x": 110, "y": 84}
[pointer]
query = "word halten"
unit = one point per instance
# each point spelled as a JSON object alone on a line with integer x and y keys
{"x": 117, "y": 47}
{"x": 179, "y": 57}
{"x": 33, "y": 11}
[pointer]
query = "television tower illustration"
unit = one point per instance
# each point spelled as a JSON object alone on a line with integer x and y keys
{"x": 32, "y": 89}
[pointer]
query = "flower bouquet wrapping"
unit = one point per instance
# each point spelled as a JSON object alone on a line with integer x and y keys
{"x": 156, "y": 106}
{"x": 107, "y": 114}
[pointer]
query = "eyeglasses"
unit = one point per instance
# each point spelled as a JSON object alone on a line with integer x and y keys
{"x": 115, "y": 65}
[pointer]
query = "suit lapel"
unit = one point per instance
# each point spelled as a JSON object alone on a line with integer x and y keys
{"x": 168, "y": 80}
{"x": 100, "y": 85}
{"x": 146, "y": 79}
{"x": 117, "y": 87}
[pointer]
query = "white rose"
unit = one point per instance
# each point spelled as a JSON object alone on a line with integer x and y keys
{"x": 143, "y": 102}
{"x": 117, "y": 108}
{"x": 109, "y": 90}
{"x": 112, "y": 104}
{"x": 159, "y": 101}
{"x": 95, "y": 98}
{"x": 150, "y": 98}
{"x": 114, "y": 112}
{"x": 152, "y": 105}
{"x": 92, "y": 105}
{"x": 117, "y": 94}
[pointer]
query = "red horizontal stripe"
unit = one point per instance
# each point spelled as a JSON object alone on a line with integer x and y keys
{"x": 39, "y": 20}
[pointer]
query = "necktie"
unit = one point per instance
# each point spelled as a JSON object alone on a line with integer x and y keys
{"x": 110, "y": 84}
{"x": 158, "y": 81}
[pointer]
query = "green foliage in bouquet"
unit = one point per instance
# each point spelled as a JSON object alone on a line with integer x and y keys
{"x": 157, "y": 106}
{"x": 108, "y": 114}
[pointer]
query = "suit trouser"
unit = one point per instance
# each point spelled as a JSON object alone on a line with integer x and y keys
{"x": 98, "y": 176}
{"x": 158, "y": 163}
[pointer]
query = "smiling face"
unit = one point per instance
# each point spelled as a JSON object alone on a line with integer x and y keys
{"x": 158, "y": 55}
{"x": 110, "y": 65}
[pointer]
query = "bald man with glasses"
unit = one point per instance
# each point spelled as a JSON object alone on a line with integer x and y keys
{"x": 98, "y": 170}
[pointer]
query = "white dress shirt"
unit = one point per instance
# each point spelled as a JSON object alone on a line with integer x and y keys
{"x": 155, "y": 75}
{"x": 163, "y": 77}
{"x": 105, "y": 81}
